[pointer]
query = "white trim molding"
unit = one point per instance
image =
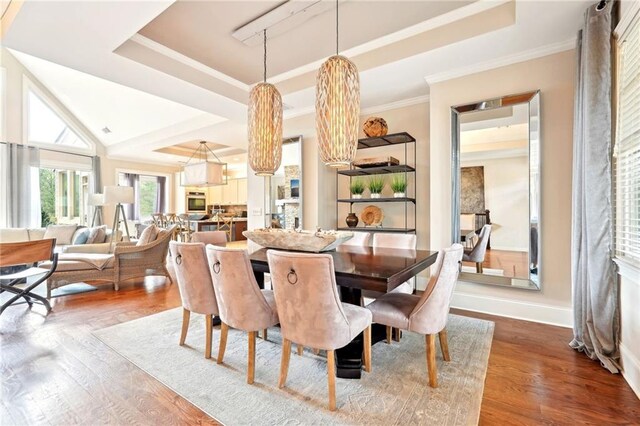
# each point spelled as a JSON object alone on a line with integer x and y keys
{"x": 528, "y": 55}
{"x": 628, "y": 270}
{"x": 630, "y": 368}
{"x": 546, "y": 314}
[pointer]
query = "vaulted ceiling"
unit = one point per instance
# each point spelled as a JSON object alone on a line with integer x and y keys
{"x": 185, "y": 53}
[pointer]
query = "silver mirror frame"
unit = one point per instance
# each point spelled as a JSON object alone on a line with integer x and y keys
{"x": 456, "y": 111}
{"x": 269, "y": 200}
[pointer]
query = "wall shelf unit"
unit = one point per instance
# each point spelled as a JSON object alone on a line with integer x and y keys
{"x": 400, "y": 215}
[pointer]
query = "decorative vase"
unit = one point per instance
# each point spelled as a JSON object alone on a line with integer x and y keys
{"x": 356, "y": 196}
{"x": 398, "y": 194}
{"x": 352, "y": 220}
{"x": 375, "y": 195}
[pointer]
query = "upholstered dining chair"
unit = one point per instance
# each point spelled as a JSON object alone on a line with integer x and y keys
{"x": 426, "y": 314}
{"x": 196, "y": 288}
{"x": 479, "y": 250}
{"x": 359, "y": 239}
{"x": 311, "y": 313}
{"x": 209, "y": 237}
{"x": 242, "y": 304}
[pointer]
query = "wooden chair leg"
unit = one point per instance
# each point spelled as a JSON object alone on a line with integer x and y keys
{"x": 396, "y": 333}
{"x": 224, "y": 331}
{"x": 284, "y": 362}
{"x": 300, "y": 350}
{"x": 331, "y": 374}
{"x": 252, "y": 357}
{"x": 479, "y": 267}
{"x": 388, "y": 335}
{"x": 264, "y": 334}
{"x": 186, "y": 314}
{"x": 432, "y": 368}
{"x": 444, "y": 344}
{"x": 209, "y": 341}
{"x": 367, "y": 349}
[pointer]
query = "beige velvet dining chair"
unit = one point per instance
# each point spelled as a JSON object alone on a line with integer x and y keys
{"x": 242, "y": 304}
{"x": 311, "y": 313}
{"x": 399, "y": 242}
{"x": 477, "y": 253}
{"x": 209, "y": 237}
{"x": 196, "y": 287}
{"x": 359, "y": 239}
{"x": 426, "y": 314}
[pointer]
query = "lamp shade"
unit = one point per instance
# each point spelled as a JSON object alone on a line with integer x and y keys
{"x": 265, "y": 129}
{"x": 118, "y": 195}
{"x": 205, "y": 173}
{"x": 337, "y": 111}
{"x": 96, "y": 200}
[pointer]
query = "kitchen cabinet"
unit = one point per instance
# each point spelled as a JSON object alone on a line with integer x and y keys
{"x": 242, "y": 191}
{"x": 214, "y": 195}
{"x": 230, "y": 192}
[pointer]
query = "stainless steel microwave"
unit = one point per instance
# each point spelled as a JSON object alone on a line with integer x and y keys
{"x": 196, "y": 202}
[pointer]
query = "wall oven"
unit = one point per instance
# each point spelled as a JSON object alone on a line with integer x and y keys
{"x": 196, "y": 202}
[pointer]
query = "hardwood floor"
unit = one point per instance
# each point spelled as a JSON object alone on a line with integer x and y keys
{"x": 515, "y": 264}
{"x": 55, "y": 371}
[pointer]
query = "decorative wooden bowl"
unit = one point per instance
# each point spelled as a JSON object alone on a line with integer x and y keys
{"x": 287, "y": 239}
{"x": 372, "y": 216}
{"x": 375, "y": 127}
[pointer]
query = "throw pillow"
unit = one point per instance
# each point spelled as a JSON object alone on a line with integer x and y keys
{"x": 149, "y": 235}
{"x": 82, "y": 237}
{"x": 97, "y": 235}
{"x": 62, "y": 233}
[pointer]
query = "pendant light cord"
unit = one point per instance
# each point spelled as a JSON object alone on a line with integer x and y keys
{"x": 337, "y": 27}
{"x": 265, "y": 55}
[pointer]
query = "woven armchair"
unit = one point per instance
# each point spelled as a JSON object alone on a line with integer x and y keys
{"x": 133, "y": 261}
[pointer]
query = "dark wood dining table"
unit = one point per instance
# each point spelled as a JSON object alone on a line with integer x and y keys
{"x": 357, "y": 269}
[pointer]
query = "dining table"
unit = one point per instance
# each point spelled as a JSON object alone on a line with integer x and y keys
{"x": 358, "y": 269}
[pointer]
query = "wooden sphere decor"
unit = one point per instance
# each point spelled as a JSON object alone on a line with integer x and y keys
{"x": 375, "y": 127}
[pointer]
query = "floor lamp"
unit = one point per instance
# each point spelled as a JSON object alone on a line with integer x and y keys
{"x": 119, "y": 195}
{"x": 96, "y": 201}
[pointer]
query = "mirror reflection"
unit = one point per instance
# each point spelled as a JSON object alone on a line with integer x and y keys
{"x": 286, "y": 188}
{"x": 496, "y": 201}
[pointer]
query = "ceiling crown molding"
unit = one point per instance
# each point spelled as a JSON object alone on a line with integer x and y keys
{"x": 528, "y": 55}
{"x": 185, "y": 60}
{"x": 395, "y": 105}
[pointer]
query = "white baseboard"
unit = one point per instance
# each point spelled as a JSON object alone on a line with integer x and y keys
{"x": 546, "y": 314}
{"x": 630, "y": 368}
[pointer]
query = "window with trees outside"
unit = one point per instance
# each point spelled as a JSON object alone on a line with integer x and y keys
{"x": 63, "y": 196}
{"x": 150, "y": 194}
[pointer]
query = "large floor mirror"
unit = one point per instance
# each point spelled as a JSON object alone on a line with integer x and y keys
{"x": 285, "y": 209}
{"x": 496, "y": 189}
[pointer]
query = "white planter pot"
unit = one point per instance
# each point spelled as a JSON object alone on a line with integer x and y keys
{"x": 375, "y": 195}
{"x": 398, "y": 194}
{"x": 356, "y": 196}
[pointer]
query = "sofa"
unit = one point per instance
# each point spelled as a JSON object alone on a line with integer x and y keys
{"x": 14, "y": 235}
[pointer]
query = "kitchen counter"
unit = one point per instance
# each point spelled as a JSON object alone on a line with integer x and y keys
{"x": 239, "y": 225}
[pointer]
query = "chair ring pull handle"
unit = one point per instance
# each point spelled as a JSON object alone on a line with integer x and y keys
{"x": 293, "y": 280}
{"x": 216, "y": 267}
{"x": 179, "y": 259}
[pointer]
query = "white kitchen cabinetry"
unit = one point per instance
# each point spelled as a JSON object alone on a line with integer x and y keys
{"x": 230, "y": 192}
{"x": 242, "y": 191}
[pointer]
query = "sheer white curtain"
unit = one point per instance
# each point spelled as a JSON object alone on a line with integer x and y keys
{"x": 19, "y": 186}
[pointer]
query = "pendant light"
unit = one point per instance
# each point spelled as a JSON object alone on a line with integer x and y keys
{"x": 203, "y": 172}
{"x": 337, "y": 108}
{"x": 265, "y": 125}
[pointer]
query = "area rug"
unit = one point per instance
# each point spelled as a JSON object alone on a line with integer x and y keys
{"x": 41, "y": 290}
{"x": 394, "y": 393}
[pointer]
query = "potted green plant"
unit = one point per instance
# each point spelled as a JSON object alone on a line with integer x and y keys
{"x": 376, "y": 185}
{"x": 357, "y": 188}
{"x": 399, "y": 185}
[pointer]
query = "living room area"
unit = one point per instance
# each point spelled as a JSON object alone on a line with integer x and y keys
{"x": 320, "y": 212}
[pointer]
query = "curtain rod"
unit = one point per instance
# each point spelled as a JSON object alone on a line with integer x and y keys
{"x": 53, "y": 150}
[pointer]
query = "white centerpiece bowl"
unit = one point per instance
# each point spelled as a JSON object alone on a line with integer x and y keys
{"x": 289, "y": 239}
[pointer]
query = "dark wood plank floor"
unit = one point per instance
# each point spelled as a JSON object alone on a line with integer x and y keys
{"x": 55, "y": 372}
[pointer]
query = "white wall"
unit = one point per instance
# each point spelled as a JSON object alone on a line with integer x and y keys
{"x": 506, "y": 192}
{"x": 553, "y": 75}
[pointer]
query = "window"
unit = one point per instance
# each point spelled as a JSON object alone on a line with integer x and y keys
{"x": 627, "y": 150}
{"x": 63, "y": 196}
{"x": 150, "y": 192}
{"x": 45, "y": 126}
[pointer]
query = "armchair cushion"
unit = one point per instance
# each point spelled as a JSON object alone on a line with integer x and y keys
{"x": 149, "y": 235}
{"x": 81, "y": 237}
{"x": 62, "y": 233}
{"x": 97, "y": 235}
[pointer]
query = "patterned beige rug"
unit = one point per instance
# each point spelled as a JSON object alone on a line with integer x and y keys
{"x": 394, "y": 393}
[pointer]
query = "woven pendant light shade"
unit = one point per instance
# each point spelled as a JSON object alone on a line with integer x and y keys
{"x": 265, "y": 129}
{"x": 337, "y": 111}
